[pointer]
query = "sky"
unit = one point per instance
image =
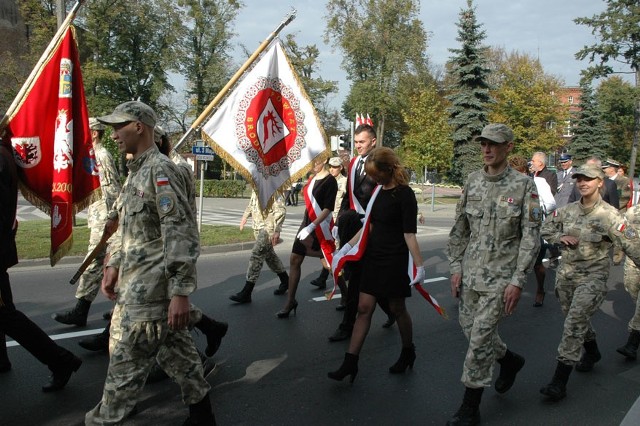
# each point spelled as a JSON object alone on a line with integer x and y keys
{"x": 542, "y": 29}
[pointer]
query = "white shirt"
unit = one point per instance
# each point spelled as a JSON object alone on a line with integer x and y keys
{"x": 546, "y": 197}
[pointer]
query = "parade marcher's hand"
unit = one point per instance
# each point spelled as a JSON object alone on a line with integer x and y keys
{"x": 456, "y": 280}
{"x": 109, "y": 280}
{"x": 179, "y": 312}
{"x": 334, "y": 233}
{"x": 569, "y": 240}
{"x": 420, "y": 276}
{"x": 275, "y": 238}
{"x": 111, "y": 226}
{"x": 511, "y": 297}
{"x": 306, "y": 231}
{"x": 344, "y": 249}
{"x": 243, "y": 222}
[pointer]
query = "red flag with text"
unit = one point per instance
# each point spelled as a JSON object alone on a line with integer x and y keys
{"x": 51, "y": 140}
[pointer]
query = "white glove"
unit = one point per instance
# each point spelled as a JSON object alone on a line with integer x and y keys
{"x": 420, "y": 275}
{"x": 344, "y": 249}
{"x": 306, "y": 231}
{"x": 334, "y": 233}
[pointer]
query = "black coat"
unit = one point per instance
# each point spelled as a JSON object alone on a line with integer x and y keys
{"x": 8, "y": 205}
{"x": 362, "y": 190}
{"x": 551, "y": 178}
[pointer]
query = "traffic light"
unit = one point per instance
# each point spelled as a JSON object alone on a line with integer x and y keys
{"x": 345, "y": 143}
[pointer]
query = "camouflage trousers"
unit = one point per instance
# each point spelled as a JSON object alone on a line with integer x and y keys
{"x": 263, "y": 252}
{"x": 115, "y": 330}
{"x": 479, "y": 314}
{"x": 90, "y": 281}
{"x": 632, "y": 285}
{"x": 141, "y": 344}
{"x": 579, "y": 299}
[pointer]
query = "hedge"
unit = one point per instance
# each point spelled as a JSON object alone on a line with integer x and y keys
{"x": 222, "y": 188}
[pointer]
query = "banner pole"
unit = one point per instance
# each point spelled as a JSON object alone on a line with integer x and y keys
{"x": 223, "y": 92}
{"x": 34, "y": 72}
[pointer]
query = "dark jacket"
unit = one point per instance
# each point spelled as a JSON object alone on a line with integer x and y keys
{"x": 551, "y": 178}
{"x": 8, "y": 205}
{"x": 362, "y": 190}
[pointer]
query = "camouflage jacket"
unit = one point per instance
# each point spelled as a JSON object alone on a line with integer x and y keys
{"x": 159, "y": 242}
{"x": 109, "y": 183}
{"x": 342, "y": 190}
{"x": 624, "y": 190}
{"x": 596, "y": 228}
{"x": 496, "y": 235}
{"x": 187, "y": 174}
{"x": 274, "y": 218}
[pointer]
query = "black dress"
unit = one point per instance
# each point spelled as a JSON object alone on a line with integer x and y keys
{"x": 324, "y": 191}
{"x": 386, "y": 258}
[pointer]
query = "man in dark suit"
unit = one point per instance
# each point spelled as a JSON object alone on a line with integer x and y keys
{"x": 14, "y": 323}
{"x": 354, "y": 204}
{"x": 565, "y": 180}
{"x": 539, "y": 165}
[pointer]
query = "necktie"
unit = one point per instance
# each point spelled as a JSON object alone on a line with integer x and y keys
{"x": 565, "y": 174}
{"x": 359, "y": 167}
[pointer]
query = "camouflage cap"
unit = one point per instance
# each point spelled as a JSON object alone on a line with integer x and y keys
{"x": 496, "y": 132}
{"x": 94, "y": 124}
{"x": 589, "y": 170}
{"x": 131, "y": 111}
{"x": 335, "y": 162}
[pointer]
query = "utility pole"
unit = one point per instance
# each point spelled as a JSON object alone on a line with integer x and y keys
{"x": 61, "y": 11}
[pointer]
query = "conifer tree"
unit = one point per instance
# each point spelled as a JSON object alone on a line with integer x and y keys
{"x": 590, "y": 133}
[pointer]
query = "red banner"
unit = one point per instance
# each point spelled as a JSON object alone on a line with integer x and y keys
{"x": 49, "y": 132}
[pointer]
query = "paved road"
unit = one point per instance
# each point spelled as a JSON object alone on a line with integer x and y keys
{"x": 273, "y": 372}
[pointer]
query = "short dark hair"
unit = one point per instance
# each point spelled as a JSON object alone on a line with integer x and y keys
{"x": 365, "y": 128}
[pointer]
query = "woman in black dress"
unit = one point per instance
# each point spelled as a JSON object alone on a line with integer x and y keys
{"x": 392, "y": 238}
{"x": 323, "y": 188}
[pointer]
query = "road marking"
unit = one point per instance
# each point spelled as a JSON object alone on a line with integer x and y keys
{"x": 433, "y": 280}
{"x": 64, "y": 336}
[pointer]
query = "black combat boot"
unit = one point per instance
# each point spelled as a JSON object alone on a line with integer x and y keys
{"x": 557, "y": 389}
{"x": 214, "y": 331}
{"x": 244, "y": 296}
{"x": 284, "y": 284}
{"x": 62, "y": 371}
{"x": 590, "y": 356}
{"x": 321, "y": 281}
{"x": 5, "y": 364}
{"x": 510, "y": 364}
{"x": 201, "y": 413}
{"x": 469, "y": 412}
{"x": 99, "y": 342}
{"x": 630, "y": 350}
{"x": 76, "y": 316}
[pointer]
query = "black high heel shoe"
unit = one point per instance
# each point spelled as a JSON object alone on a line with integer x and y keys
{"x": 539, "y": 300}
{"x": 407, "y": 358}
{"x": 285, "y": 312}
{"x": 349, "y": 367}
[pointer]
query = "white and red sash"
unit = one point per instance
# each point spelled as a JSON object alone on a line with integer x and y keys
{"x": 353, "y": 201}
{"x": 356, "y": 252}
{"x": 323, "y": 230}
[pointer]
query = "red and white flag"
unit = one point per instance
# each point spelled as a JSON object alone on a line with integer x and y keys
{"x": 267, "y": 128}
{"x": 359, "y": 119}
{"x": 369, "y": 121}
{"x": 51, "y": 140}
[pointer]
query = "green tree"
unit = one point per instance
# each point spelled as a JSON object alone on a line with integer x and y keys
{"x": 129, "y": 49}
{"x": 616, "y": 99}
{"x": 381, "y": 41}
{"x": 525, "y": 101}
{"x": 590, "y": 135}
{"x": 427, "y": 141}
{"x": 469, "y": 94}
{"x": 304, "y": 60}
{"x": 618, "y": 31}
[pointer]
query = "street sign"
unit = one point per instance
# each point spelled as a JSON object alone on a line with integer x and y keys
{"x": 202, "y": 150}
{"x": 204, "y": 157}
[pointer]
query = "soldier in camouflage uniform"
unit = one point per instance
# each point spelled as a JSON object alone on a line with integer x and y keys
{"x": 96, "y": 217}
{"x": 632, "y": 285}
{"x": 492, "y": 246}
{"x": 154, "y": 266}
{"x": 266, "y": 229}
{"x": 586, "y": 229}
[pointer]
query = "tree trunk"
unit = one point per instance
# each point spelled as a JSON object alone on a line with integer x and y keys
{"x": 636, "y": 129}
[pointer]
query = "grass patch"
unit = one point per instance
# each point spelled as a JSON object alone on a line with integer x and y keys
{"x": 34, "y": 240}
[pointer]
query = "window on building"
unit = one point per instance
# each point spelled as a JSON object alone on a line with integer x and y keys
{"x": 570, "y": 99}
{"x": 567, "y": 131}
{"x": 551, "y": 125}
